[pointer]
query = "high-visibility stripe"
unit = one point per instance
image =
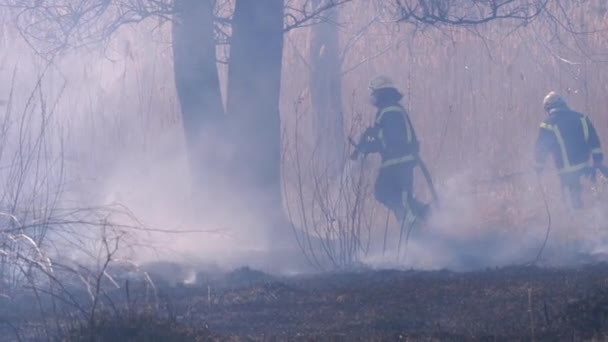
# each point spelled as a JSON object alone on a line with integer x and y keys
{"x": 408, "y": 129}
{"x": 386, "y": 110}
{"x": 596, "y": 151}
{"x": 567, "y": 167}
{"x": 562, "y": 147}
{"x": 573, "y": 168}
{"x": 395, "y": 161}
{"x": 585, "y": 128}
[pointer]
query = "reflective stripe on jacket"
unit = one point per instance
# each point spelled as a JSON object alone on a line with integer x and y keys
{"x": 398, "y": 142}
{"x": 570, "y": 138}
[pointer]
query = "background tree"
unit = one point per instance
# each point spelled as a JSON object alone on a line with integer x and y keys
{"x": 198, "y": 85}
{"x": 254, "y": 83}
{"x": 326, "y": 89}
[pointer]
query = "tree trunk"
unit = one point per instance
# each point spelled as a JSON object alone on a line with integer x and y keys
{"x": 326, "y": 91}
{"x": 198, "y": 87}
{"x": 254, "y": 82}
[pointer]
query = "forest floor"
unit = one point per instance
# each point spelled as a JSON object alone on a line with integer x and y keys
{"x": 514, "y": 303}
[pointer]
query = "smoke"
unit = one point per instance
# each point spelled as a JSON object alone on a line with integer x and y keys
{"x": 490, "y": 226}
{"x": 116, "y": 126}
{"x": 113, "y": 135}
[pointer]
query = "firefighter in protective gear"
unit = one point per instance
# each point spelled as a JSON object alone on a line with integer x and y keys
{"x": 571, "y": 139}
{"x": 393, "y": 136}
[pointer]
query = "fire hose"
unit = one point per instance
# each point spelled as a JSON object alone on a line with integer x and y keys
{"x": 548, "y": 231}
{"x": 601, "y": 168}
{"x": 429, "y": 181}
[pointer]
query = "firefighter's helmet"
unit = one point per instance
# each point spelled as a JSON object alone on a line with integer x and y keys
{"x": 380, "y": 82}
{"x": 553, "y": 100}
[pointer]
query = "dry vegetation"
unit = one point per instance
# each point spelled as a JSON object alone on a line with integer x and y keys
{"x": 515, "y": 303}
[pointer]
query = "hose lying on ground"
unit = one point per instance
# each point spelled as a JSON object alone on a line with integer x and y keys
{"x": 433, "y": 191}
{"x": 544, "y": 196}
{"x": 429, "y": 180}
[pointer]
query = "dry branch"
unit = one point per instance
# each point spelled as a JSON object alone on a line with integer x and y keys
{"x": 468, "y": 12}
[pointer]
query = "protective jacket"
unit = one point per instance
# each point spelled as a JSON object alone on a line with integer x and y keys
{"x": 570, "y": 138}
{"x": 392, "y": 135}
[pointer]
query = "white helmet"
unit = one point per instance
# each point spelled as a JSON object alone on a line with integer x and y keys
{"x": 553, "y": 100}
{"x": 380, "y": 82}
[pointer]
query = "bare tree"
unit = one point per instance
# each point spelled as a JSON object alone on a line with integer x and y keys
{"x": 253, "y": 32}
{"x": 197, "y": 82}
{"x": 326, "y": 88}
{"x": 254, "y": 80}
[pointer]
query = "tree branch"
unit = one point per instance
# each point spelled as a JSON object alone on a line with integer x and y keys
{"x": 468, "y": 12}
{"x": 306, "y": 15}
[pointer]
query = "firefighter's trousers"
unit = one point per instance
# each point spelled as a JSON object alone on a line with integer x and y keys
{"x": 572, "y": 189}
{"x": 394, "y": 189}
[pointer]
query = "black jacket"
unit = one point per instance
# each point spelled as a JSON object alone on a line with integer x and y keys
{"x": 570, "y": 138}
{"x": 392, "y": 135}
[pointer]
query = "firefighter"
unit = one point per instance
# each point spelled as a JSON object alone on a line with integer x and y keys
{"x": 393, "y": 136}
{"x": 571, "y": 139}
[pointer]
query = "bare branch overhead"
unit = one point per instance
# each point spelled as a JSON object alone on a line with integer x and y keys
{"x": 305, "y": 14}
{"x": 53, "y": 25}
{"x": 467, "y": 12}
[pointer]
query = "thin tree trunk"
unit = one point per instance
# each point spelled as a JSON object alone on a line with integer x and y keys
{"x": 254, "y": 82}
{"x": 198, "y": 87}
{"x": 326, "y": 90}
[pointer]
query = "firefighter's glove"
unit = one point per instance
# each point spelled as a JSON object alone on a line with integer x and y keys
{"x": 368, "y": 142}
{"x": 365, "y": 137}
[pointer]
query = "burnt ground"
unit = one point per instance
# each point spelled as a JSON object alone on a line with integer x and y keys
{"x": 509, "y": 303}
{"x": 512, "y": 303}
